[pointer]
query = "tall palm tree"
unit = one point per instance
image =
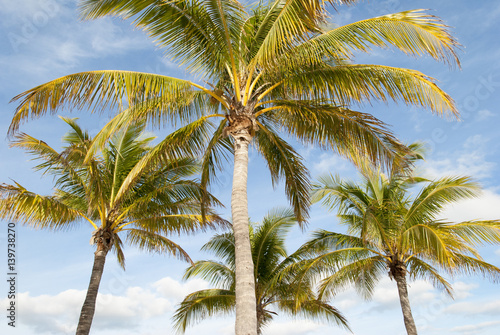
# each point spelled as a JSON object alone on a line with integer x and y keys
{"x": 389, "y": 229}
{"x": 274, "y": 289}
{"x": 267, "y": 69}
{"x": 160, "y": 202}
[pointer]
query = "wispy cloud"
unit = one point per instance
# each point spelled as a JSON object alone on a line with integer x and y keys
{"x": 471, "y": 160}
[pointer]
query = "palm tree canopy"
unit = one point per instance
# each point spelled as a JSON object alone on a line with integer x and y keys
{"x": 267, "y": 68}
{"x": 391, "y": 228}
{"x": 107, "y": 191}
{"x": 275, "y": 291}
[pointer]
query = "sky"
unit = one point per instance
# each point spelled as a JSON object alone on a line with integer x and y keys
{"x": 44, "y": 39}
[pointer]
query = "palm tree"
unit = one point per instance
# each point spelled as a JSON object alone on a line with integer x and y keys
{"x": 389, "y": 229}
{"x": 268, "y": 69}
{"x": 145, "y": 210}
{"x": 274, "y": 289}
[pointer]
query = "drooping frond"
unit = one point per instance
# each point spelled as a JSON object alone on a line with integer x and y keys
{"x": 356, "y": 83}
{"x": 419, "y": 269}
{"x": 153, "y": 242}
{"x": 286, "y": 164}
{"x": 202, "y": 304}
{"x": 315, "y": 310}
{"x": 99, "y": 91}
{"x": 475, "y": 232}
{"x": 414, "y": 32}
{"x": 217, "y": 274}
{"x": 198, "y": 33}
{"x": 431, "y": 199}
{"x": 20, "y": 205}
{"x": 352, "y": 134}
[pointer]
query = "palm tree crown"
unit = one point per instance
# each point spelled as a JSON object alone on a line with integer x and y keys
{"x": 103, "y": 192}
{"x": 275, "y": 290}
{"x": 389, "y": 229}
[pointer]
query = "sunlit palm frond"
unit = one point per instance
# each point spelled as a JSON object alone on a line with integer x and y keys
{"x": 97, "y": 91}
{"x": 414, "y": 32}
{"x": 315, "y": 310}
{"x": 419, "y": 269}
{"x": 475, "y": 232}
{"x": 202, "y": 304}
{"x": 357, "y": 83}
{"x": 20, "y": 205}
{"x": 354, "y": 135}
{"x": 150, "y": 241}
{"x": 431, "y": 199}
{"x": 217, "y": 274}
{"x": 285, "y": 163}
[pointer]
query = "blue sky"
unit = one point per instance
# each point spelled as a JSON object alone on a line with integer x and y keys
{"x": 44, "y": 39}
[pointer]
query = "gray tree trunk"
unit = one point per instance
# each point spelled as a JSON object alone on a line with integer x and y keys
{"x": 88, "y": 308}
{"x": 411, "y": 329}
{"x": 246, "y": 311}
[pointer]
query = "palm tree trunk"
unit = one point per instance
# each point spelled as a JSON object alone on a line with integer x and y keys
{"x": 88, "y": 308}
{"x": 246, "y": 313}
{"x": 411, "y": 329}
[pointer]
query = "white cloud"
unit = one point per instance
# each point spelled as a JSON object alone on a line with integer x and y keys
{"x": 469, "y": 161}
{"x": 484, "y": 114}
{"x": 329, "y": 163}
{"x": 175, "y": 290}
{"x": 475, "y": 329}
{"x": 463, "y": 290}
{"x": 490, "y": 308}
{"x": 302, "y": 327}
{"x": 59, "y": 313}
{"x": 484, "y": 207}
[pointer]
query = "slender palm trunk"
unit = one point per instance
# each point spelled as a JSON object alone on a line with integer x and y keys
{"x": 246, "y": 312}
{"x": 411, "y": 329}
{"x": 88, "y": 308}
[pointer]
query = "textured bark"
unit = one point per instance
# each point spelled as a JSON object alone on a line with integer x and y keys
{"x": 104, "y": 240}
{"x": 88, "y": 308}
{"x": 246, "y": 313}
{"x": 400, "y": 278}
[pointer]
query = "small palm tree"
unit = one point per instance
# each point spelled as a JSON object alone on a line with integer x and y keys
{"x": 391, "y": 230}
{"x": 274, "y": 290}
{"x": 267, "y": 70}
{"x": 101, "y": 193}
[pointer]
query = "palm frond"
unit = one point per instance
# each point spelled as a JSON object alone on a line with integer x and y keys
{"x": 150, "y": 241}
{"x": 285, "y": 163}
{"x": 414, "y": 32}
{"x": 202, "y": 304}
{"x": 356, "y": 83}
{"x": 97, "y": 91}
{"x": 20, "y": 205}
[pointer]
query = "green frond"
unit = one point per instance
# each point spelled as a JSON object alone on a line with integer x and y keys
{"x": 197, "y": 33}
{"x": 414, "y": 32}
{"x": 354, "y": 135}
{"x": 363, "y": 273}
{"x": 475, "y": 232}
{"x": 217, "y": 274}
{"x": 315, "y": 310}
{"x": 285, "y": 163}
{"x": 118, "y": 249}
{"x": 431, "y": 199}
{"x": 202, "y": 304}
{"x": 20, "y": 205}
{"x": 419, "y": 269}
{"x": 97, "y": 91}
{"x": 283, "y": 24}
{"x": 188, "y": 140}
{"x": 468, "y": 265}
{"x": 150, "y": 241}
{"x": 357, "y": 83}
